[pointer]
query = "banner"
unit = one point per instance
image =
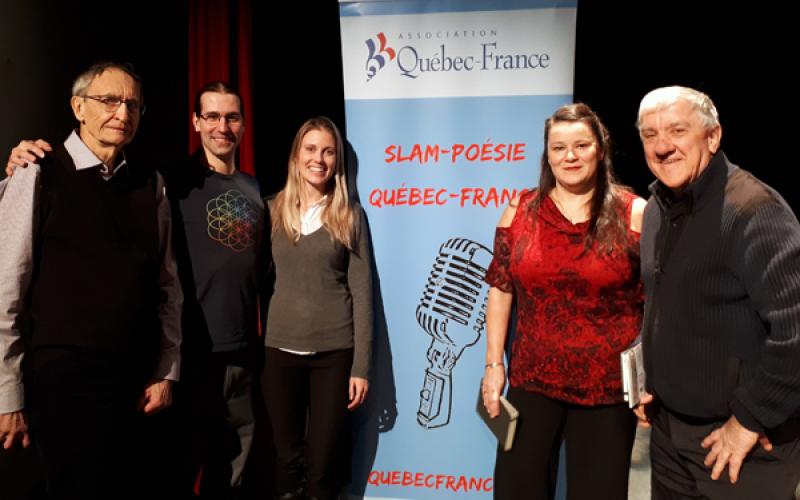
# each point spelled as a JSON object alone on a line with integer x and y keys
{"x": 445, "y": 105}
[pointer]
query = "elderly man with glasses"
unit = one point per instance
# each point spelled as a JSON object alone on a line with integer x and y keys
{"x": 218, "y": 226}
{"x": 88, "y": 261}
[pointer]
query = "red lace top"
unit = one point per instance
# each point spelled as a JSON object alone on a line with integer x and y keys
{"x": 575, "y": 313}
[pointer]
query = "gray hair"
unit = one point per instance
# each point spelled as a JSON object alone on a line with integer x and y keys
{"x": 85, "y": 79}
{"x": 666, "y": 96}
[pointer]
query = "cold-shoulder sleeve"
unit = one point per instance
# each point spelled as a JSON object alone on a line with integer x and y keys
{"x": 499, "y": 274}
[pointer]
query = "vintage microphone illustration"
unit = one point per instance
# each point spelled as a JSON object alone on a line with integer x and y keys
{"x": 452, "y": 311}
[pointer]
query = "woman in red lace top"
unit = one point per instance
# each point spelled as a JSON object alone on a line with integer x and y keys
{"x": 567, "y": 255}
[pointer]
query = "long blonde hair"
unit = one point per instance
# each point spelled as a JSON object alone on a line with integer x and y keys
{"x": 338, "y": 215}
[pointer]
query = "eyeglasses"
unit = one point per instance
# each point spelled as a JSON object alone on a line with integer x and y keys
{"x": 112, "y": 103}
{"x": 214, "y": 118}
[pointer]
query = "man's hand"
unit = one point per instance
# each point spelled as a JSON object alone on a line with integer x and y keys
{"x": 730, "y": 445}
{"x": 14, "y": 426}
{"x": 157, "y": 396}
{"x": 26, "y": 152}
{"x": 640, "y": 410}
{"x": 358, "y": 392}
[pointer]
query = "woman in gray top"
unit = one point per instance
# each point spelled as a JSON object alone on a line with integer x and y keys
{"x": 319, "y": 326}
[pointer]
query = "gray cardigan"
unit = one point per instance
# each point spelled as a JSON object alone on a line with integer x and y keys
{"x": 323, "y": 295}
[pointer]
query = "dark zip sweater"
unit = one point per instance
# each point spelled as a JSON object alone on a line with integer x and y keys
{"x": 721, "y": 269}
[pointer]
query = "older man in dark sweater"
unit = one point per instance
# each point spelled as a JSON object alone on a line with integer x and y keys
{"x": 721, "y": 267}
{"x": 88, "y": 259}
{"x": 218, "y": 216}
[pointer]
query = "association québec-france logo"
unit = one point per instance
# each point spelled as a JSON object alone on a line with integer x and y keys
{"x": 379, "y": 54}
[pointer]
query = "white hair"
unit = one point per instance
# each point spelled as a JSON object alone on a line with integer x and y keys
{"x": 666, "y": 96}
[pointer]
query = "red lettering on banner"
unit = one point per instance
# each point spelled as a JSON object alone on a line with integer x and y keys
{"x": 409, "y": 479}
{"x": 519, "y": 152}
{"x": 473, "y": 153}
{"x": 432, "y": 151}
{"x": 491, "y": 197}
{"x": 457, "y": 150}
{"x": 390, "y": 153}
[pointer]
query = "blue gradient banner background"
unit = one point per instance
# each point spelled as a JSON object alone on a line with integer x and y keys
{"x": 489, "y": 147}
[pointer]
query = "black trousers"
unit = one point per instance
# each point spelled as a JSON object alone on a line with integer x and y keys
{"x": 93, "y": 441}
{"x": 598, "y": 441}
{"x": 214, "y": 406}
{"x": 678, "y": 472}
{"x": 306, "y": 398}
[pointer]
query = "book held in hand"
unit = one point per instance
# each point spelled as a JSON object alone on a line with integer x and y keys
{"x": 633, "y": 375}
{"x": 503, "y": 426}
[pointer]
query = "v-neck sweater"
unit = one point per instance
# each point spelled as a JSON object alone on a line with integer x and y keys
{"x": 323, "y": 295}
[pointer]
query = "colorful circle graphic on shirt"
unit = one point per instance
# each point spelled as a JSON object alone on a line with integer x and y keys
{"x": 232, "y": 220}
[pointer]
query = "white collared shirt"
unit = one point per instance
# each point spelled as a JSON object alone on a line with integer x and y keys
{"x": 311, "y": 219}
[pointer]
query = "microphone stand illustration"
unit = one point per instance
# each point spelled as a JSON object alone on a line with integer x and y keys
{"x": 452, "y": 311}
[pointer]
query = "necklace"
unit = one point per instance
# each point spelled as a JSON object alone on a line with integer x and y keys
{"x": 573, "y": 216}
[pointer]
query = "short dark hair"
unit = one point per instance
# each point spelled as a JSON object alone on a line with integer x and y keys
{"x": 219, "y": 87}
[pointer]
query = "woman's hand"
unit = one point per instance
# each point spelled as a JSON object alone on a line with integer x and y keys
{"x": 358, "y": 392}
{"x": 494, "y": 380}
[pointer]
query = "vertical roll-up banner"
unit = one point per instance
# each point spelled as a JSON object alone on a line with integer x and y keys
{"x": 445, "y": 104}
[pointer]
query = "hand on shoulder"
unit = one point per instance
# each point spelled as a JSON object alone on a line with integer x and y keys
{"x": 26, "y": 152}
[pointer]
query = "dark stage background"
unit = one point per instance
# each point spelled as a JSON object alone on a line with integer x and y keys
{"x": 739, "y": 55}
